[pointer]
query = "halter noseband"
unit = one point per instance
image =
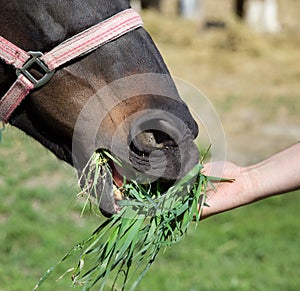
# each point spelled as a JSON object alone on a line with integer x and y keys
{"x": 76, "y": 46}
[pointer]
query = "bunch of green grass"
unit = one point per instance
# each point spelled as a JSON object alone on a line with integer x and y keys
{"x": 122, "y": 249}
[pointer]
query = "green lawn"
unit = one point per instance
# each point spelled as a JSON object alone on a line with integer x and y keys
{"x": 253, "y": 248}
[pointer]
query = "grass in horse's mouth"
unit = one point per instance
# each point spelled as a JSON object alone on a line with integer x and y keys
{"x": 124, "y": 246}
{"x": 98, "y": 169}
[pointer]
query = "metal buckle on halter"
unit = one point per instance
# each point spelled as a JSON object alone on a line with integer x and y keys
{"x": 36, "y": 60}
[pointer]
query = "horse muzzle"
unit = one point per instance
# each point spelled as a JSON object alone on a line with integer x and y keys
{"x": 162, "y": 147}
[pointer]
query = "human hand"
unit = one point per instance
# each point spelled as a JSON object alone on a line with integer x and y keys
{"x": 234, "y": 192}
{"x": 275, "y": 175}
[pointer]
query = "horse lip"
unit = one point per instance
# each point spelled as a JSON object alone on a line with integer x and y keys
{"x": 106, "y": 186}
{"x": 102, "y": 194}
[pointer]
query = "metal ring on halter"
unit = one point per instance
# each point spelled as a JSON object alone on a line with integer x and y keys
{"x": 36, "y": 60}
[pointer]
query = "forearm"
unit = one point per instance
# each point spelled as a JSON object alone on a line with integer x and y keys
{"x": 276, "y": 175}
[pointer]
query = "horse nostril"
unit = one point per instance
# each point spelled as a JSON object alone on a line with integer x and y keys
{"x": 147, "y": 141}
{"x": 162, "y": 147}
{"x": 156, "y": 132}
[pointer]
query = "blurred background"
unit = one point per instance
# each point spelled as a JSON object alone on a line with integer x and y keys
{"x": 250, "y": 72}
{"x": 244, "y": 56}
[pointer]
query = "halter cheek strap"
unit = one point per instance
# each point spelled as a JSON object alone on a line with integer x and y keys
{"x": 76, "y": 46}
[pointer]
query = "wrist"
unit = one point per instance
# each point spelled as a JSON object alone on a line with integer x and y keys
{"x": 254, "y": 187}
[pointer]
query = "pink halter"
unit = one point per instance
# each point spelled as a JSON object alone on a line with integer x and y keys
{"x": 72, "y": 48}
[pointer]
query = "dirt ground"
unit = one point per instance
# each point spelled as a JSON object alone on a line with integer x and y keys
{"x": 251, "y": 79}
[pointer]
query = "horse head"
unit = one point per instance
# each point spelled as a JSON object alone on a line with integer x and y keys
{"x": 120, "y": 97}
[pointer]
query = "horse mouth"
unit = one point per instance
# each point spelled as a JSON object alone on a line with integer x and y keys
{"x": 157, "y": 150}
{"x": 101, "y": 182}
{"x": 104, "y": 181}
